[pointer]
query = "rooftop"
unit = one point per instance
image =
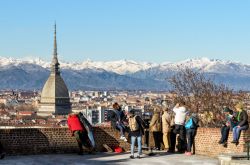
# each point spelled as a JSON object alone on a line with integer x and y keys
{"x": 108, "y": 159}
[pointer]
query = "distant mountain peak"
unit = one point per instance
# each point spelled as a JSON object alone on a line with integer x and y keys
{"x": 31, "y": 73}
{"x": 126, "y": 66}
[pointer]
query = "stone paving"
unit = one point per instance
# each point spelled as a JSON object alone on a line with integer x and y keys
{"x": 108, "y": 159}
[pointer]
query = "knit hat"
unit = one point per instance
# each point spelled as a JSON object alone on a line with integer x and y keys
{"x": 240, "y": 105}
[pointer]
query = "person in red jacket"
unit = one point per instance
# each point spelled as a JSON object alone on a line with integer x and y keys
{"x": 77, "y": 130}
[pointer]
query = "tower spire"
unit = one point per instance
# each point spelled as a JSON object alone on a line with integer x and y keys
{"x": 55, "y": 64}
{"x": 55, "y": 44}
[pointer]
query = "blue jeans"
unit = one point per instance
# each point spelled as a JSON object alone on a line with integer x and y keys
{"x": 237, "y": 131}
{"x": 121, "y": 127}
{"x": 133, "y": 144}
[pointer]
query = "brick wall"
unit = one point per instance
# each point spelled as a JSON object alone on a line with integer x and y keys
{"x": 59, "y": 140}
{"x": 53, "y": 140}
{"x": 206, "y": 142}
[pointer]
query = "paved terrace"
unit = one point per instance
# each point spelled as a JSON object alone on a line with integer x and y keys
{"x": 108, "y": 159}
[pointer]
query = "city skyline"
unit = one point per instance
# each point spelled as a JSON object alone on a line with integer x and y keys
{"x": 140, "y": 31}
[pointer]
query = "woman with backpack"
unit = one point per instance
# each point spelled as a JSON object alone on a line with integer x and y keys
{"x": 136, "y": 125}
{"x": 191, "y": 129}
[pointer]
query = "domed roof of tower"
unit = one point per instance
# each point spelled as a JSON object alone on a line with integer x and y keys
{"x": 54, "y": 88}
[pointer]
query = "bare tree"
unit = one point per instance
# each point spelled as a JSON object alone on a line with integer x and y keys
{"x": 201, "y": 94}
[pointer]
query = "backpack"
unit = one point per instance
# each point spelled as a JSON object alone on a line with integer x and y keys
{"x": 190, "y": 124}
{"x": 133, "y": 124}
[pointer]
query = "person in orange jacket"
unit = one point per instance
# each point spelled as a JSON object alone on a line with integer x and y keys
{"x": 77, "y": 130}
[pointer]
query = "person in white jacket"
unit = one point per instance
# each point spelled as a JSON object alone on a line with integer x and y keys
{"x": 180, "y": 111}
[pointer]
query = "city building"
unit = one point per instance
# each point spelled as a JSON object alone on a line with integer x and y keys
{"x": 55, "y": 98}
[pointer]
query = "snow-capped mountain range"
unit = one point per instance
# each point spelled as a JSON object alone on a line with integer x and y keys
{"x": 123, "y": 74}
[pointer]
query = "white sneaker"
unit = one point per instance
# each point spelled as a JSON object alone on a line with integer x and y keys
{"x": 123, "y": 138}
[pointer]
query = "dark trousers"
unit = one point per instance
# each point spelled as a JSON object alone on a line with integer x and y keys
{"x": 172, "y": 140}
{"x": 1, "y": 148}
{"x": 181, "y": 131}
{"x": 146, "y": 138}
{"x": 190, "y": 139}
{"x": 158, "y": 139}
{"x": 224, "y": 134}
{"x": 82, "y": 139}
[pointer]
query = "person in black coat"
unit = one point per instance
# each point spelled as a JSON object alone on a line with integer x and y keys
{"x": 137, "y": 126}
{"x": 242, "y": 118}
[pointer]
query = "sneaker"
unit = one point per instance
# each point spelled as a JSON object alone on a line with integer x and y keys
{"x": 139, "y": 157}
{"x": 220, "y": 142}
{"x": 132, "y": 157}
{"x": 224, "y": 144}
{"x": 188, "y": 153}
{"x": 155, "y": 148}
{"x": 234, "y": 141}
{"x": 122, "y": 137}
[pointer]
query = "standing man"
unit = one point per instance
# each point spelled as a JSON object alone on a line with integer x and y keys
{"x": 166, "y": 128}
{"x": 136, "y": 125}
{"x": 180, "y": 111}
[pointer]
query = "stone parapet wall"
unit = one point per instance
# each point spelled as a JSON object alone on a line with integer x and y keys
{"x": 59, "y": 140}
{"x": 206, "y": 142}
{"x": 53, "y": 140}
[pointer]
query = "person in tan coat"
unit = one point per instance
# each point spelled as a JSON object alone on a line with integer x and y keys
{"x": 166, "y": 128}
{"x": 155, "y": 127}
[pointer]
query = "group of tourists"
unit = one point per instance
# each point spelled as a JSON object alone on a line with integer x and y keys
{"x": 179, "y": 123}
{"x": 167, "y": 126}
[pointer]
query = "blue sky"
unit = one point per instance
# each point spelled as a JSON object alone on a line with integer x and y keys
{"x": 140, "y": 30}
